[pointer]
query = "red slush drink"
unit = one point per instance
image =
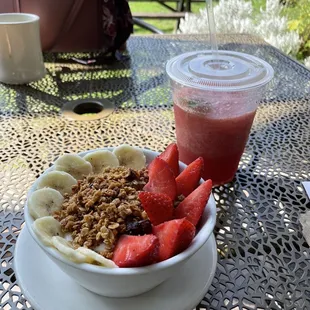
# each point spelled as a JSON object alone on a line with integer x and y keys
{"x": 219, "y": 139}
{"x": 215, "y": 99}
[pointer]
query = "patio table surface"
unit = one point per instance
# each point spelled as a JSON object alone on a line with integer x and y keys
{"x": 263, "y": 259}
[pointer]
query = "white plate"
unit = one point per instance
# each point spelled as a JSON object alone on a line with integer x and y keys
{"x": 48, "y": 288}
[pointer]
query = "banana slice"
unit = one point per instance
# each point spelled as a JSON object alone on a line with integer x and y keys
{"x": 44, "y": 202}
{"x": 46, "y": 228}
{"x": 58, "y": 180}
{"x": 101, "y": 159}
{"x": 65, "y": 248}
{"x": 68, "y": 237}
{"x": 74, "y": 165}
{"x": 100, "y": 248}
{"x": 129, "y": 156}
{"x": 93, "y": 257}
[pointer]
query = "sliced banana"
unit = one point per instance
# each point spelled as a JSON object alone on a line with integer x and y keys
{"x": 65, "y": 248}
{"x": 130, "y": 156}
{"x": 44, "y": 202}
{"x": 58, "y": 180}
{"x": 100, "y": 248}
{"x": 68, "y": 237}
{"x": 46, "y": 228}
{"x": 101, "y": 159}
{"x": 93, "y": 257}
{"x": 74, "y": 165}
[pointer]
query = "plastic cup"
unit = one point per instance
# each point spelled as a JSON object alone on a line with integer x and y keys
{"x": 215, "y": 101}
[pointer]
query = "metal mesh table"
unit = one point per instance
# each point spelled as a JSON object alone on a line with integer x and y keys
{"x": 263, "y": 258}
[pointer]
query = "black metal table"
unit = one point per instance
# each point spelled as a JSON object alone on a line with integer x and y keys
{"x": 263, "y": 258}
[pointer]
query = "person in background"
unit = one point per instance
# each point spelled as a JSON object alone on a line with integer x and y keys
{"x": 78, "y": 25}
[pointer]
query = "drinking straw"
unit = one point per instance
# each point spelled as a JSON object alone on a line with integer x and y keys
{"x": 212, "y": 29}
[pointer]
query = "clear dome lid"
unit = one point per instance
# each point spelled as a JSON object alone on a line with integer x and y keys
{"x": 230, "y": 71}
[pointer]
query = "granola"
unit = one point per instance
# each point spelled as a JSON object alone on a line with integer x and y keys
{"x": 99, "y": 206}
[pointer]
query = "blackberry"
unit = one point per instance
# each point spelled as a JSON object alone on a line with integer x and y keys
{"x": 143, "y": 227}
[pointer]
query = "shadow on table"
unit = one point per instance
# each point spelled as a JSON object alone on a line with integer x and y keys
{"x": 258, "y": 212}
{"x": 291, "y": 80}
{"x": 70, "y": 81}
{"x": 130, "y": 78}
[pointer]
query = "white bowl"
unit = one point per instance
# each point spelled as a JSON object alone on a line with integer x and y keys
{"x": 127, "y": 282}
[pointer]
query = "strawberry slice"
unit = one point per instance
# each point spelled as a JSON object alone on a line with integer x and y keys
{"x": 171, "y": 157}
{"x": 159, "y": 207}
{"x": 189, "y": 178}
{"x": 174, "y": 237}
{"x": 136, "y": 251}
{"x": 193, "y": 205}
{"x": 161, "y": 179}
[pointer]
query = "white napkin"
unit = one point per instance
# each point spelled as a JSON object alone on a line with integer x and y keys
{"x": 304, "y": 218}
{"x": 307, "y": 187}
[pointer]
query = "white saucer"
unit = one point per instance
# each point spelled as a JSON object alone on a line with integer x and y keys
{"x": 48, "y": 288}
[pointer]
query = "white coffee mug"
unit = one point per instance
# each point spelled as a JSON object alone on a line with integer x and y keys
{"x": 21, "y": 59}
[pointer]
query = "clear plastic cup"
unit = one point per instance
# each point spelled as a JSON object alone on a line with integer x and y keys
{"x": 215, "y": 101}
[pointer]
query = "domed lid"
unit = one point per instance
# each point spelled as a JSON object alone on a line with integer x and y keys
{"x": 229, "y": 71}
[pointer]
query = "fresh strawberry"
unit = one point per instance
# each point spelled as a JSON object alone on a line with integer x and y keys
{"x": 171, "y": 157}
{"x": 136, "y": 251}
{"x": 189, "y": 178}
{"x": 174, "y": 237}
{"x": 159, "y": 207}
{"x": 193, "y": 205}
{"x": 161, "y": 179}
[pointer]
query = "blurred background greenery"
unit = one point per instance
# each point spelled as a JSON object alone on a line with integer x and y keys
{"x": 166, "y": 25}
{"x": 297, "y": 12}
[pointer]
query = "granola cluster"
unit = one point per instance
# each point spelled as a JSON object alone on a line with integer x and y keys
{"x": 99, "y": 206}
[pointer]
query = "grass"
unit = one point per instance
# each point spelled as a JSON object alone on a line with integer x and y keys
{"x": 258, "y": 4}
{"x": 168, "y": 25}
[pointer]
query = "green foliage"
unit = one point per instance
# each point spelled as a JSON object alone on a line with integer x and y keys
{"x": 166, "y": 25}
{"x": 258, "y": 5}
{"x": 298, "y": 13}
